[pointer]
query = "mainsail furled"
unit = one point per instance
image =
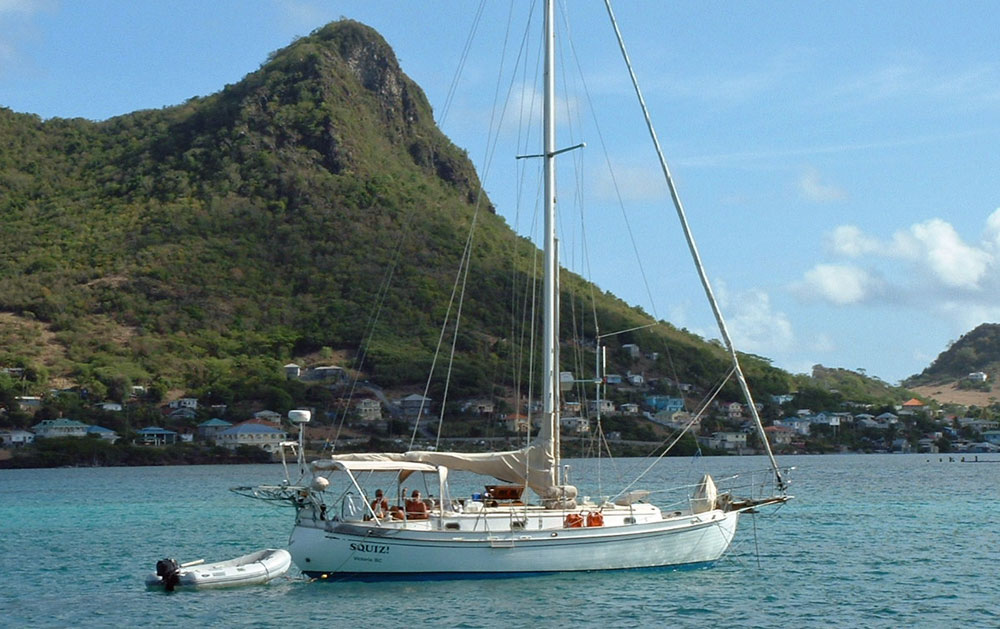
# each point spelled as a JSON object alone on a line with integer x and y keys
{"x": 530, "y": 466}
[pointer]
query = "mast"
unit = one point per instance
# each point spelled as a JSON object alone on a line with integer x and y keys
{"x": 550, "y": 335}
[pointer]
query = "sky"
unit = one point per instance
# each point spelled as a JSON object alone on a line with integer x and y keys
{"x": 838, "y": 161}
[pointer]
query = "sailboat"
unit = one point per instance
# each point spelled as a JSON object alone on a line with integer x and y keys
{"x": 528, "y": 518}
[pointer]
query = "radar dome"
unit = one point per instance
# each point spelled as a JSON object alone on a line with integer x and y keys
{"x": 320, "y": 484}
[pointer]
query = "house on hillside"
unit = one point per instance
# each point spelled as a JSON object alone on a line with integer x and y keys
{"x": 729, "y": 441}
{"x": 887, "y": 418}
{"x": 979, "y": 425}
{"x": 326, "y": 372}
{"x": 604, "y": 407}
{"x": 184, "y": 412}
{"x": 901, "y": 446}
{"x": 664, "y": 403}
{"x": 779, "y": 435}
{"x": 632, "y": 351}
{"x": 252, "y": 434}
{"x": 61, "y": 427}
{"x": 800, "y": 425}
{"x": 207, "y": 430}
{"x": 156, "y": 436}
{"x": 103, "y": 433}
{"x": 482, "y": 408}
{"x": 677, "y": 420}
{"x": 28, "y": 403}
{"x": 977, "y": 376}
{"x": 16, "y": 438}
{"x": 732, "y": 410}
{"x": 184, "y": 402}
{"x": 271, "y": 416}
{"x": 517, "y": 423}
{"x": 629, "y": 408}
{"x": 415, "y": 404}
{"x": 574, "y": 425}
{"x": 928, "y": 445}
{"x": 368, "y": 409}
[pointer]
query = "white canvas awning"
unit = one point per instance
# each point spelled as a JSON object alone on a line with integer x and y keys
{"x": 371, "y": 465}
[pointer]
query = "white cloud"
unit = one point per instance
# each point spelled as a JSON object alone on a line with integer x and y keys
{"x": 933, "y": 248}
{"x": 848, "y": 240}
{"x": 952, "y": 261}
{"x": 755, "y": 326}
{"x": 813, "y": 188}
{"x": 991, "y": 235}
{"x": 839, "y": 284}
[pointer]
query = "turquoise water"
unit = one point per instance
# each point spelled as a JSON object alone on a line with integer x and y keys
{"x": 869, "y": 541}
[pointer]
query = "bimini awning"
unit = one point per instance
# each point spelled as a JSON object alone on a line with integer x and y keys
{"x": 372, "y": 466}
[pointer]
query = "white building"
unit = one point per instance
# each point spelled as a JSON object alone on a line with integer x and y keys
{"x": 252, "y": 434}
{"x": 728, "y": 440}
{"x": 61, "y": 427}
{"x": 577, "y": 425}
{"x": 184, "y": 402}
{"x": 606, "y": 407}
{"x": 368, "y": 409}
{"x": 16, "y": 438}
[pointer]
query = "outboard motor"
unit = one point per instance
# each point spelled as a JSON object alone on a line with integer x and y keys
{"x": 169, "y": 572}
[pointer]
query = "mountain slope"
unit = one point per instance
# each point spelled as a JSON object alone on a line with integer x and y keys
{"x": 209, "y": 242}
{"x": 977, "y": 350}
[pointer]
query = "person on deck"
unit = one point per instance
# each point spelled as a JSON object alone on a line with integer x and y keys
{"x": 415, "y": 507}
{"x": 380, "y": 506}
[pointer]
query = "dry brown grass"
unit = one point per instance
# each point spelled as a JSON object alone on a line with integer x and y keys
{"x": 36, "y": 342}
{"x": 950, "y": 394}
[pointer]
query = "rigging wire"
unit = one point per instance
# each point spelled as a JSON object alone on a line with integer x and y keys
{"x": 383, "y": 291}
{"x": 497, "y": 115}
{"x": 680, "y": 434}
{"x": 463, "y": 57}
{"x": 692, "y": 247}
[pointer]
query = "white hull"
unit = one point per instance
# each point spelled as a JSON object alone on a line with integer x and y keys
{"x": 337, "y": 549}
{"x": 253, "y": 569}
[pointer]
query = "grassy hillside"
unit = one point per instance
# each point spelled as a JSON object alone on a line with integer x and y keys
{"x": 201, "y": 246}
{"x": 977, "y": 350}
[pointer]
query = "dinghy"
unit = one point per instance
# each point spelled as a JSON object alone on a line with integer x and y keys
{"x": 253, "y": 569}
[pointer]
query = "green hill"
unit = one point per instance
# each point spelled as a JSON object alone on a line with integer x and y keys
{"x": 851, "y": 385}
{"x": 201, "y": 246}
{"x": 977, "y": 350}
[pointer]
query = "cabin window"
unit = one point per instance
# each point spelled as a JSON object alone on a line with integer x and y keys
{"x": 629, "y": 520}
{"x": 452, "y": 526}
